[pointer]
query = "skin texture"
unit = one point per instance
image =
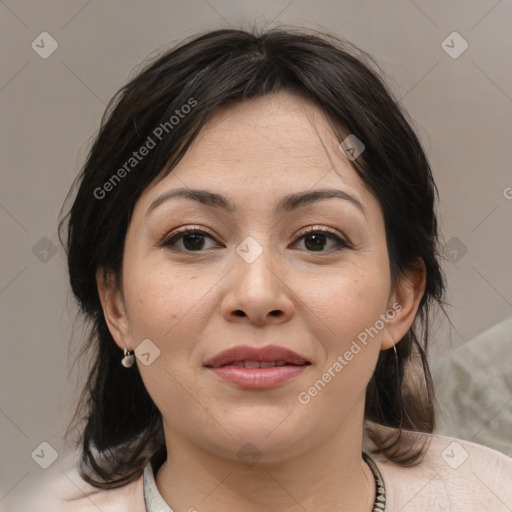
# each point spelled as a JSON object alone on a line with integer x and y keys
{"x": 312, "y": 299}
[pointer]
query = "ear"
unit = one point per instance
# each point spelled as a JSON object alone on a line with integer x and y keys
{"x": 404, "y": 301}
{"x": 114, "y": 310}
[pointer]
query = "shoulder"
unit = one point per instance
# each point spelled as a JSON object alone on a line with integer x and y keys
{"x": 62, "y": 489}
{"x": 454, "y": 475}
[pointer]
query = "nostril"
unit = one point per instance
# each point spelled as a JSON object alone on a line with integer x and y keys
{"x": 239, "y": 312}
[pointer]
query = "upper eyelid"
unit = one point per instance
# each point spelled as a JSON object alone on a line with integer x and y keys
{"x": 327, "y": 229}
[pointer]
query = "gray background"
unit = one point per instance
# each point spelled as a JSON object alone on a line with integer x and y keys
{"x": 50, "y": 108}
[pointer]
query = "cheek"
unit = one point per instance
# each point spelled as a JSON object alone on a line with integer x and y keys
{"x": 159, "y": 302}
{"x": 166, "y": 308}
{"x": 347, "y": 303}
{"x": 172, "y": 309}
{"x": 348, "y": 326}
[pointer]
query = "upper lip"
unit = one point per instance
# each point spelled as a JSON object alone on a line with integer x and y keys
{"x": 246, "y": 353}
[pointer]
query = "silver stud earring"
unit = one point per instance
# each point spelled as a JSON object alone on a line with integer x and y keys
{"x": 128, "y": 358}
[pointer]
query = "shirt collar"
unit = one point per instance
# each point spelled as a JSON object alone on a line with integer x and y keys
{"x": 152, "y": 498}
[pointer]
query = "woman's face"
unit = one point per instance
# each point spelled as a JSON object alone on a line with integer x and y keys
{"x": 255, "y": 277}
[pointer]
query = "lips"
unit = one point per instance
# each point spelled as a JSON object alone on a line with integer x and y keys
{"x": 250, "y": 357}
{"x": 257, "y": 368}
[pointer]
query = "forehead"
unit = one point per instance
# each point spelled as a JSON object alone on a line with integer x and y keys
{"x": 280, "y": 130}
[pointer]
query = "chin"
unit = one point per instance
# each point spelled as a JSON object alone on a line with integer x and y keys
{"x": 268, "y": 435}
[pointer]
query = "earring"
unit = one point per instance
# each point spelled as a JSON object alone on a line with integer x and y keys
{"x": 396, "y": 356}
{"x": 402, "y": 406}
{"x": 128, "y": 358}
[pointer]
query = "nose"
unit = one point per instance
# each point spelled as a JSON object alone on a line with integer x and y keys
{"x": 257, "y": 292}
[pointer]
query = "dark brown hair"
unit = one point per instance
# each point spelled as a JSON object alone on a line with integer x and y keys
{"x": 123, "y": 427}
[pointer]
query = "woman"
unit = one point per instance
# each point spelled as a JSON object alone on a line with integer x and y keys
{"x": 254, "y": 240}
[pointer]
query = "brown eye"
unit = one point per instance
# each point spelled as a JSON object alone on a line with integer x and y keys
{"x": 315, "y": 241}
{"x": 192, "y": 240}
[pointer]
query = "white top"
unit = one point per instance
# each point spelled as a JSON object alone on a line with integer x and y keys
{"x": 455, "y": 475}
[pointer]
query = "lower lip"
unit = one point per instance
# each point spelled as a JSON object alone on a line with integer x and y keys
{"x": 258, "y": 378}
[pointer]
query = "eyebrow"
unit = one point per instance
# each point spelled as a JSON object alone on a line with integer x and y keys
{"x": 286, "y": 204}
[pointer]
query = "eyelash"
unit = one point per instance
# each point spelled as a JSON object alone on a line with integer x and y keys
{"x": 310, "y": 230}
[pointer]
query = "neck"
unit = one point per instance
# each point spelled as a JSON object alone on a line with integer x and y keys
{"x": 330, "y": 476}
